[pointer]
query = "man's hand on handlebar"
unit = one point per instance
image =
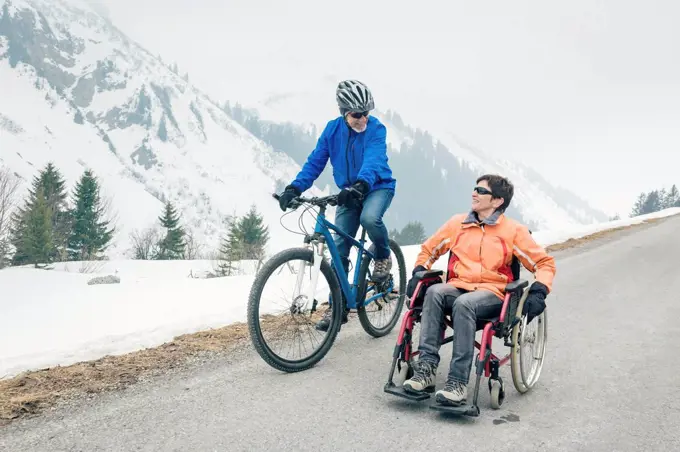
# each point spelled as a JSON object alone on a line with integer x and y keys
{"x": 287, "y": 197}
{"x": 351, "y": 195}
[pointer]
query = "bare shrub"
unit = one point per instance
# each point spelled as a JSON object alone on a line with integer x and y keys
{"x": 192, "y": 249}
{"x": 145, "y": 243}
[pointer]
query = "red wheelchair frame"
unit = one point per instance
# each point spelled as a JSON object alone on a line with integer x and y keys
{"x": 505, "y": 326}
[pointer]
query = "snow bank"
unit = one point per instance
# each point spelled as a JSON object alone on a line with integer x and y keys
{"x": 54, "y": 318}
{"x": 547, "y": 238}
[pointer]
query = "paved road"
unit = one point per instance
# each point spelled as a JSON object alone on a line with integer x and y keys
{"x": 611, "y": 382}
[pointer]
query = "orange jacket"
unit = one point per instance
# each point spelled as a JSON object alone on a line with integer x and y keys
{"x": 483, "y": 252}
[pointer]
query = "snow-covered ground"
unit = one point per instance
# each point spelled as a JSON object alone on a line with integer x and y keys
{"x": 54, "y": 317}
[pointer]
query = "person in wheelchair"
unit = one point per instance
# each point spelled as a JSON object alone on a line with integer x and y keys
{"x": 483, "y": 243}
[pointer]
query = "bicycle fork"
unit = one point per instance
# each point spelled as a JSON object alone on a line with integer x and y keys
{"x": 317, "y": 256}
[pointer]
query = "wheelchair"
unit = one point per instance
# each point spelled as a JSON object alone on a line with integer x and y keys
{"x": 510, "y": 326}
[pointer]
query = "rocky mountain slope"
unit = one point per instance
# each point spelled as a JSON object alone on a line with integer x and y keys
{"x": 77, "y": 92}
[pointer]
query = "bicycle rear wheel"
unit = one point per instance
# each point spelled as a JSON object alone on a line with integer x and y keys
{"x": 388, "y": 307}
{"x": 262, "y": 319}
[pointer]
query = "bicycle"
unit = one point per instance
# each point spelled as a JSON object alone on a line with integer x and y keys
{"x": 312, "y": 255}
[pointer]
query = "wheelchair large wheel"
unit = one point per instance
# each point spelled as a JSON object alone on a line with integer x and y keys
{"x": 526, "y": 363}
{"x": 389, "y": 307}
{"x": 263, "y": 320}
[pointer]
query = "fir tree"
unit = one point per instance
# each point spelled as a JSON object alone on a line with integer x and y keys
{"x": 412, "y": 234}
{"x": 652, "y": 203}
{"x": 33, "y": 235}
{"x": 51, "y": 184}
{"x": 90, "y": 234}
{"x": 638, "y": 207}
{"x": 54, "y": 186}
{"x": 254, "y": 235}
{"x": 172, "y": 245}
{"x": 231, "y": 250}
{"x": 672, "y": 198}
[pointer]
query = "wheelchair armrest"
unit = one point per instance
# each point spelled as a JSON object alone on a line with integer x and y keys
{"x": 517, "y": 286}
{"x": 427, "y": 274}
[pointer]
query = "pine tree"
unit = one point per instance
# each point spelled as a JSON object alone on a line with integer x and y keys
{"x": 412, "y": 234}
{"x": 50, "y": 183}
{"x": 672, "y": 198}
{"x": 172, "y": 245}
{"x": 34, "y": 239}
{"x": 54, "y": 187}
{"x": 254, "y": 235}
{"x": 90, "y": 234}
{"x": 231, "y": 250}
{"x": 652, "y": 203}
{"x": 639, "y": 205}
{"x": 395, "y": 235}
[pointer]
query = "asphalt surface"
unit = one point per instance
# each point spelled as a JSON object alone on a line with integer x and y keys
{"x": 610, "y": 382}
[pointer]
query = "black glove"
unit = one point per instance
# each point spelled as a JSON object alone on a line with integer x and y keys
{"x": 350, "y": 195}
{"x": 535, "y": 301}
{"x": 413, "y": 282}
{"x": 287, "y": 196}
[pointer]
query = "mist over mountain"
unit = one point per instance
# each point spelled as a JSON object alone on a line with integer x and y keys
{"x": 77, "y": 92}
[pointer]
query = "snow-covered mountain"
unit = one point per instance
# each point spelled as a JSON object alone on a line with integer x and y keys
{"x": 76, "y": 91}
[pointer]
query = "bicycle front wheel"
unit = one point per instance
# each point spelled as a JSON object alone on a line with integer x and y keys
{"x": 270, "y": 321}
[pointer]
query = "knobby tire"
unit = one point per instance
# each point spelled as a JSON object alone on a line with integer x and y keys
{"x": 361, "y": 293}
{"x": 254, "y": 304}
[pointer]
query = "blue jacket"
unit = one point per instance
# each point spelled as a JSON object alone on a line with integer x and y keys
{"x": 353, "y": 156}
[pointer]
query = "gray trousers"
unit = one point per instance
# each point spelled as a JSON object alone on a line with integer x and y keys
{"x": 466, "y": 307}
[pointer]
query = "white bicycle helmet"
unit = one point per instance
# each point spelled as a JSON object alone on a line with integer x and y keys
{"x": 354, "y": 96}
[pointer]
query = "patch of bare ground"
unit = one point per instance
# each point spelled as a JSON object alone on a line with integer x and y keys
{"x": 32, "y": 392}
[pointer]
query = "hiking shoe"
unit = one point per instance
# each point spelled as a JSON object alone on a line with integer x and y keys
{"x": 325, "y": 322}
{"x": 381, "y": 269}
{"x": 453, "y": 393}
{"x": 424, "y": 375}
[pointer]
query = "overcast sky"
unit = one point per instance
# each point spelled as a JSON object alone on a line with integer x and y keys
{"x": 588, "y": 87}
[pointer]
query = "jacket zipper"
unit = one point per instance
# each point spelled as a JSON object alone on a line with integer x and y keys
{"x": 481, "y": 264}
{"x": 349, "y": 137}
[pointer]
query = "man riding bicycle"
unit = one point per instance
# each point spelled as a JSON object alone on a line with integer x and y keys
{"x": 356, "y": 145}
{"x": 483, "y": 243}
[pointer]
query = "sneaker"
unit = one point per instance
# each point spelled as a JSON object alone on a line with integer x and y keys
{"x": 325, "y": 322}
{"x": 423, "y": 379}
{"x": 453, "y": 393}
{"x": 381, "y": 269}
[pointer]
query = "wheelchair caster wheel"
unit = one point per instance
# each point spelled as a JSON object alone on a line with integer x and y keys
{"x": 497, "y": 393}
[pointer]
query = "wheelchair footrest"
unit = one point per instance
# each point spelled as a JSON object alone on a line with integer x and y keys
{"x": 460, "y": 410}
{"x": 400, "y": 392}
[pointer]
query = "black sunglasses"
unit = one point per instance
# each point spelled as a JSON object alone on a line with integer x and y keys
{"x": 359, "y": 114}
{"x": 483, "y": 191}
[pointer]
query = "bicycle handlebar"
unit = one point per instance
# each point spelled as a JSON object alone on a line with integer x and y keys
{"x": 331, "y": 200}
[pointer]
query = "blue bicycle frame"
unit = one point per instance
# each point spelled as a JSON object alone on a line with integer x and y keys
{"x": 323, "y": 227}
